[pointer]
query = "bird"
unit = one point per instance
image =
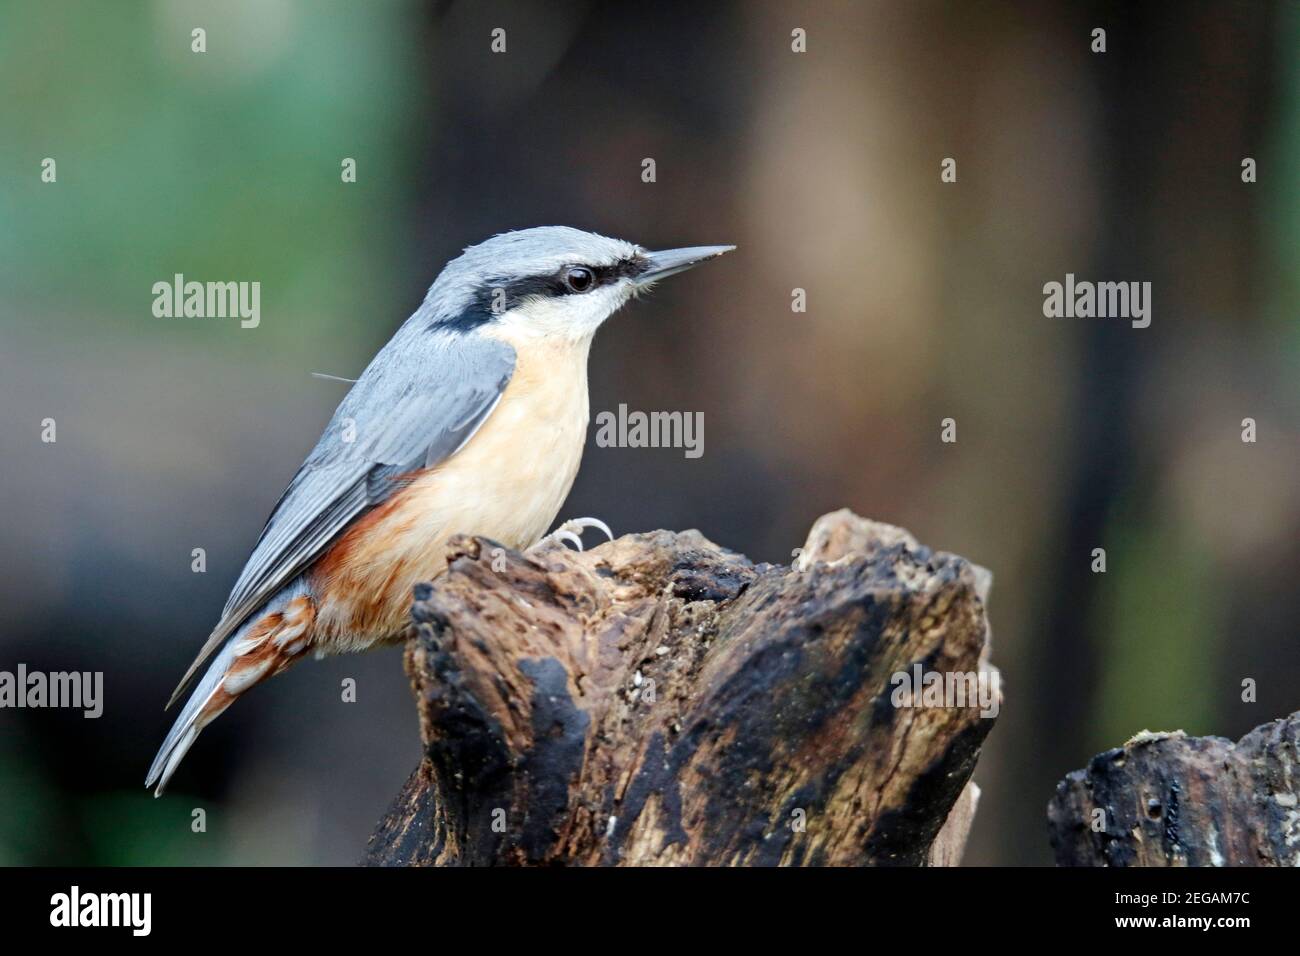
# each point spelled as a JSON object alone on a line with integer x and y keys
{"x": 471, "y": 419}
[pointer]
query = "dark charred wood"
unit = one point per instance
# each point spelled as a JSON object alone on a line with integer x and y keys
{"x": 1174, "y": 800}
{"x": 659, "y": 700}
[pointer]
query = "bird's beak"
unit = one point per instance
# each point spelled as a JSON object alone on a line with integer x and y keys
{"x": 672, "y": 261}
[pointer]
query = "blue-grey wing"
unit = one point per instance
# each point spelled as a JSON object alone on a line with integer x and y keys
{"x": 416, "y": 404}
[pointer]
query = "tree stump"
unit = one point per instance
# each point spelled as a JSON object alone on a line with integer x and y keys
{"x": 1174, "y": 800}
{"x": 659, "y": 700}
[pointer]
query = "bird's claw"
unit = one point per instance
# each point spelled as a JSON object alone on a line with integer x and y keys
{"x": 579, "y": 525}
{"x": 561, "y": 535}
{"x": 572, "y": 530}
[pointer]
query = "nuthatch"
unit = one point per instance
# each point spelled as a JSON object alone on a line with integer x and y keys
{"x": 471, "y": 419}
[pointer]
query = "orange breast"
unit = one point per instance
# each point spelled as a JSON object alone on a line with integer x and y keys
{"x": 507, "y": 483}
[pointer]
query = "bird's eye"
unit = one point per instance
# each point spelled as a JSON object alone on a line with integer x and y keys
{"x": 579, "y": 279}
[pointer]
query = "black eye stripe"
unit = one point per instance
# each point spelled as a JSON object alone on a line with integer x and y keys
{"x": 625, "y": 269}
{"x": 503, "y": 296}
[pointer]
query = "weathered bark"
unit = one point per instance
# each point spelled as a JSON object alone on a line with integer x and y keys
{"x": 1174, "y": 800}
{"x": 660, "y": 700}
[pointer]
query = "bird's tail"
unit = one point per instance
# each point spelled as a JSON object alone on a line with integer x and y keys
{"x": 268, "y": 643}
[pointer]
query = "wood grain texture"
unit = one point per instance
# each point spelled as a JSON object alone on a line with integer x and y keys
{"x": 659, "y": 700}
{"x": 1172, "y": 800}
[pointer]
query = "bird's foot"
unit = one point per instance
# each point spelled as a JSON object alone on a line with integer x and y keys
{"x": 571, "y": 531}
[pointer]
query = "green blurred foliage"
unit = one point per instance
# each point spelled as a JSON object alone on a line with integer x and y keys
{"x": 1159, "y": 625}
{"x": 121, "y": 832}
{"x": 1283, "y": 229}
{"x": 156, "y": 146}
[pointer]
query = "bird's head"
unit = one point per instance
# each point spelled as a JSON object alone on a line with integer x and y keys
{"x": 548, "y": 282}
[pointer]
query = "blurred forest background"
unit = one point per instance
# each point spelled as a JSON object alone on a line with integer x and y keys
{"x": 924, "y": 302}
